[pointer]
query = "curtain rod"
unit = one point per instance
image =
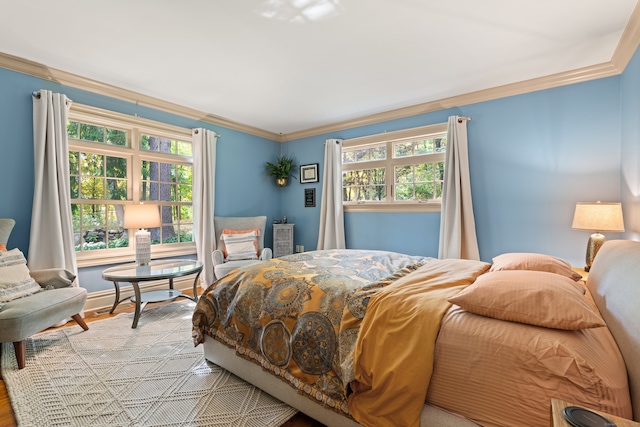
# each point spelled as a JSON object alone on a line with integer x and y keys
{"x": 462, "y": 119}
{"x": 37, "y": 95}
{"x": 217, "y": 136}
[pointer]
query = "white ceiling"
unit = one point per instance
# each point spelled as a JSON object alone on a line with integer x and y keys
{"x": 290, "y": 65}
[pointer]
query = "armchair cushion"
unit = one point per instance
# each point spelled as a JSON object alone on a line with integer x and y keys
{"x": 240, "y": 244}
{"x": 15, "y": 281}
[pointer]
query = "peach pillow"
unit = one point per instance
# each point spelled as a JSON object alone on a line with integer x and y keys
{"x": 3, "y": 247}
{"x": 535, "y": 262}
{"x": 533, "y": 297}
{"x": 227, "y": 231}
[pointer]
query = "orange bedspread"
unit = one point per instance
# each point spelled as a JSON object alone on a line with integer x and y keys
{"x": 393, "y": 357}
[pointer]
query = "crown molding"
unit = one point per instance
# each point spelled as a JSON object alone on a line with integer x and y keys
{"x": 625, "y": 50}
{"x": 629, "y": 41}
{"x": 35, "y": 69}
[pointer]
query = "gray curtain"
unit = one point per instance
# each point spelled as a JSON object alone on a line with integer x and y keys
{"x": 203, "y": 198}
{"x": 457, "y": 223}
{"x": 331, "y": 232}
{"x": 51, "y": 243}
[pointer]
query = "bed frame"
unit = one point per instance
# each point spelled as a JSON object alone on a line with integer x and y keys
{"x": 614, "y": 282}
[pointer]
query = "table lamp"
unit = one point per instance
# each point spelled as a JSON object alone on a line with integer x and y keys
{"x": 141, "y": 217}
{"x": 597, "y": 217}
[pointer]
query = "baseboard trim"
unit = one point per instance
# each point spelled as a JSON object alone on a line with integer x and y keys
{"x": 104, "y": 299}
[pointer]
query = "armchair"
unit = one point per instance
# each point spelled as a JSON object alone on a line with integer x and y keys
{"x": 221, "y": 266}
{"x": 26, "y": 315}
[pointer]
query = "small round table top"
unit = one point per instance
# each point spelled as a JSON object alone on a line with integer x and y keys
{"x": 155, "y": 270}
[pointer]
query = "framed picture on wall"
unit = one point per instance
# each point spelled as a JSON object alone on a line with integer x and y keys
{"x": 309, "y": 197}
{"x": 309, "y": 173}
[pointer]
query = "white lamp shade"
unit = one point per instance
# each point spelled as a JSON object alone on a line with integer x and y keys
{"x": 597, "y": 216}
{"x": 141, "y": 216}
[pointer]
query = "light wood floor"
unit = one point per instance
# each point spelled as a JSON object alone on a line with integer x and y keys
{"x": 7, "y": 418}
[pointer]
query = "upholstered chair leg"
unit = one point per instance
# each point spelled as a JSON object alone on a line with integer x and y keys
{"x": 80, "y": 321}
{"x": 20, "y": 348}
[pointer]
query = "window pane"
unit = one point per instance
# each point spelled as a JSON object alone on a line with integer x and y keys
{"x": 424, "y": 146}
{"x": 184, "y": 193}
{"x": 363, "y": 155}
{"x": 116, "y": 189}
{"x": 116, "y": 137}
{"x": 441, "y": 144}
{"x": 72, "y": 129}
{"x": 424, "y": 172}
{"x": 116, "y": 167}
{"x": 438, "y": 188}
{"x": 91, "y": 133}
{"x": 424, "y": 191}
{"x": 74, "y": 186}
{"x": 184, "y": 174}
{"x": 403, "y": 149}
{"x": 379, "y": 153}
{"x": 186, "y": 214}
{"x": 404, "y": 192}
{"x": 348, "y": 157}
{"x": 74, "y": 167}
{"x": 186, "y": 233}
{"x": 117, "y": 236}
{"x": 92, "y": 188}
{"x": 404, "y": 174}
{"x": 185, "y": 148}
{"x": 167, "y": 193}
{"x": 91, "y": 164}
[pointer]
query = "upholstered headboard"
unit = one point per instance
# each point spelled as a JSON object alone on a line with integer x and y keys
{"x": 614, "y": 282}
{"x": 239, "y": 223}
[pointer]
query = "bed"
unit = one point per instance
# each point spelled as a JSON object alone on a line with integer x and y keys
{"x": 354, "y": 337}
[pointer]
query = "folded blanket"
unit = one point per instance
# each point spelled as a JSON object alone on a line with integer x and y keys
{"x": 393, "y": 357}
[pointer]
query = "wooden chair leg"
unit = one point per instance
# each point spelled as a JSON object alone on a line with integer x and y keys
{"x": 80, "y": 321}
{"x": 20, "y": 348}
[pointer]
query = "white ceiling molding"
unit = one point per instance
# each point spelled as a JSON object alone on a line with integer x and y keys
{"x": 626, "y": 47}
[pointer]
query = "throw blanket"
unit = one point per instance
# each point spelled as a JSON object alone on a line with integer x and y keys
{"x": 295, "y": 315}
{"x": 393, "y": 357}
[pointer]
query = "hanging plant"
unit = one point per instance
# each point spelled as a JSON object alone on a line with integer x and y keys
{"x": 281, "y": 169}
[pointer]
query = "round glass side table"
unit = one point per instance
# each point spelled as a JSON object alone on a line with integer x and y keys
{"x": 155, "y": 270}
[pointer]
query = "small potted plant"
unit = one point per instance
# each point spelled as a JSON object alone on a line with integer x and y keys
{"x": 281, "y": 169}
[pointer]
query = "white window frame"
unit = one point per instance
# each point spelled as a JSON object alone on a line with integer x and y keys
{"x": 135, "y": 126}
{"x": 389, "y": 138}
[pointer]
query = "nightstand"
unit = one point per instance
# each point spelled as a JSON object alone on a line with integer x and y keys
{"x": 557, "y": 419}
{"x": 282, "y": 240}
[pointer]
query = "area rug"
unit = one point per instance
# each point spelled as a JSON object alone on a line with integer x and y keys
{"x": 112, "y": 375}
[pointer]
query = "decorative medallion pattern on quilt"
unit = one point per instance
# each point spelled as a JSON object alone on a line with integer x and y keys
{"x": 298, "y": 316}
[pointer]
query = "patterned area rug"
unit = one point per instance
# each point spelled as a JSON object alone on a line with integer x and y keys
{"x": 112, "y": 375}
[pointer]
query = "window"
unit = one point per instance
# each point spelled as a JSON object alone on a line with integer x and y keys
{"x": 395, "y": 171}
{"x": 116, "y": 160}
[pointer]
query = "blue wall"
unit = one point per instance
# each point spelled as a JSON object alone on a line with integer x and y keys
{"x": 242, "y": 189}
{"x": 532, "y": 157}
{"x": 630, "y": 149}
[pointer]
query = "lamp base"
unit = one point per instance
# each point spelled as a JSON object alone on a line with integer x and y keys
{"x": 143, "y": 247}
{"x": 596, "y": 240}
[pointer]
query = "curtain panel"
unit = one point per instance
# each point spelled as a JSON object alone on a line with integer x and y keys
{"x": 331, "y": 233}
{"x": 457, "y": 223}
{"x": 203, "y": 198}
{"x": 51, "y": 243}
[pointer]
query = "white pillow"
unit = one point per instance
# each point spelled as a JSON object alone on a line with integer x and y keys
{"x": 240, "y": 245}
{"x": 15, "y": 281}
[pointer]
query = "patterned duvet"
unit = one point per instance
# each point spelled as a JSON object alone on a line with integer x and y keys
{"x": 298, "y": 316}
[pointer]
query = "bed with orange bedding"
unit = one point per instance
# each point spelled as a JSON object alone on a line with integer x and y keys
{"x": 385, "y": 339}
